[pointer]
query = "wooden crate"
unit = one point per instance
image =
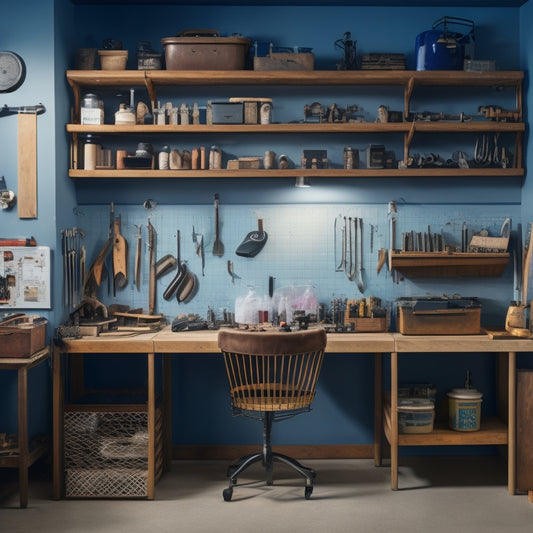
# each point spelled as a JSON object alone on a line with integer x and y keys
{"x": 439, "y": 322}
{"x": 21, "y": 337}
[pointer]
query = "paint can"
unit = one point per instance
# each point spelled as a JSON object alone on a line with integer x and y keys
{"x": 464, "y": 408}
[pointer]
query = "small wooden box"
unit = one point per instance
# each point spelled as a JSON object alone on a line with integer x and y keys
{"x": 368, "y": 325}
{"x": 461, "y": 321}
{"x": 20, "y": 337}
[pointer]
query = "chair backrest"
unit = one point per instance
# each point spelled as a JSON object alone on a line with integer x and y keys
{"x": 272, "y": 371}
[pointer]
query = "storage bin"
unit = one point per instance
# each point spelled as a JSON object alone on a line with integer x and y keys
{"x": 106, "y": 451}
{"x": 205, "y": 50}
{"x": 415, "y": 415}
{"x": 464, "y": 406}
{"x": 113, "y": 59}
{"x": 227, "y": 112}
{"x": 22, "y": 336}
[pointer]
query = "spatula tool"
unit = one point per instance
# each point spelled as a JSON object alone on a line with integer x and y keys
{"x": 254, "y": 242}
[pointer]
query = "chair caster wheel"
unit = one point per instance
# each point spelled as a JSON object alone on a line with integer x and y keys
{"x": 308, "y": 492}
{"x": 228, "y": 493}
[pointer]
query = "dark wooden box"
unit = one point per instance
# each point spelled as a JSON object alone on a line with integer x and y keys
{"x": 22, "y": 337}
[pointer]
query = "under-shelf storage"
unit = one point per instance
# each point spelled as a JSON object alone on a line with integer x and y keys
{"x": 106, "y": 450}
{"x": 404, "y": 131}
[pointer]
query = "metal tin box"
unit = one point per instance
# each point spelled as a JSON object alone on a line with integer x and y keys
{"x": 205, "y": 50}
{"x": 227, "y": 112}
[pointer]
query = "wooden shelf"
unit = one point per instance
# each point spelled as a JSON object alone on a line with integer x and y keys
{"x": 481, "y": 126}
{"x": 294, "y": 172}
{"x": 443, "y": 264}
{"x": 96, "y": 78}
{"x": 406, "y": 80}
{"x": 38, "y": 447}
{"x": 492, "y": 432}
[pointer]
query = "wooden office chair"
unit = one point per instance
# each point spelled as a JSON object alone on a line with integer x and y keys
{"x": 272, "y": 376}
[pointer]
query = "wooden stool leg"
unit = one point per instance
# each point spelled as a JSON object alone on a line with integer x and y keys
{"x": 394, "y": 420}
{"x": 23, "y": 435}
{"x": 378, "y": 409}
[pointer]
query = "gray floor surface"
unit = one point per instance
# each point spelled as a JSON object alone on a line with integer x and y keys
{"x": 448, "y": 495}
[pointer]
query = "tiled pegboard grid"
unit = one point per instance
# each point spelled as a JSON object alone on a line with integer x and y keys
{"x": 300, "y": 250}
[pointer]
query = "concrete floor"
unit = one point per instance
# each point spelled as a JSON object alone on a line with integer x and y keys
{"x": 439, "y": 495}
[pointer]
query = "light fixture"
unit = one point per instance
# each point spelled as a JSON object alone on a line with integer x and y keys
{"x": 302, "y": 181}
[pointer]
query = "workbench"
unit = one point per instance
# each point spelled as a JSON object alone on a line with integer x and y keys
{"x": 500, "y": 431}
{"x": 27, "y": 452}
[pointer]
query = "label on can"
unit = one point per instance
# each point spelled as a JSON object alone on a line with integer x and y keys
{"x": 92, "y": 116}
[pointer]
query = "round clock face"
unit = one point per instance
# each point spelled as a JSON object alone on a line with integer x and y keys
{"x": 12, "y": 71}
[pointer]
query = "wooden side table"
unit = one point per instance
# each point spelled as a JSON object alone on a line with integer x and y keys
{"x": 24, "y": 456}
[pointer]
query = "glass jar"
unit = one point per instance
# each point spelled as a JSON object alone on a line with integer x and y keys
{"x": 92, "y": 109}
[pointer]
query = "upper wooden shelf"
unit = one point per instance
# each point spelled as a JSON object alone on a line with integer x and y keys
{"x": 311, "y": 173}
{"x": 478, "y": 126}
{"x": 312, "y": 77}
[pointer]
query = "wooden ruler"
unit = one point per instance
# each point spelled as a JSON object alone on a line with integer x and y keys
{"x": 27, "y": 165}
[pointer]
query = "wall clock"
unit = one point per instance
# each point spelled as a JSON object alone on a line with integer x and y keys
{"x": 12, "y": 71}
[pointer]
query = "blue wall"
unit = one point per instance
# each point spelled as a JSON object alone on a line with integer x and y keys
{"x": 299, "y": 222}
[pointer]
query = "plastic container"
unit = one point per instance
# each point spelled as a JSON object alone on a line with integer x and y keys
{"x": 205, "y": 50}
{"x": 415, "y": 415}
{"x": 464, "y": 407}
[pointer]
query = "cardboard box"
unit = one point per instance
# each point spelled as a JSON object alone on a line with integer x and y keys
{"x": 22, "y": 337}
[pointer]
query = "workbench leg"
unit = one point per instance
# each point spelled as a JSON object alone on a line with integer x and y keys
{"x": 167, "y": 410}
{"x": 394, "y": 420}
{"x": 23, "y": 435}
{"x": 151, "y": 427}
{"x": 511, "y": 426}
{"x": 378, "y": 409}
{"x": 57, "y": 431}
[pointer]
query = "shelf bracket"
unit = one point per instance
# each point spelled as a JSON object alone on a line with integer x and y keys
{"x": 150, "y": 86}
{"x": 408, "y": 138}
{"x": 407, "y": 96}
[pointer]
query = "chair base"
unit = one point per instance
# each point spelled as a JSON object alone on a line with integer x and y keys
{"x": 267, "y": 457}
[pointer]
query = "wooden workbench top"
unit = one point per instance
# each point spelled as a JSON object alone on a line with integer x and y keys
{"x": 205, "y": 341}
{"x": 143, "y": 343}
{"x": 460, "y": 343}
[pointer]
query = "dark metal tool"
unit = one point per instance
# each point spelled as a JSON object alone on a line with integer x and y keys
{"x": 254, "y": 242}
{"x": 36, "y": 109}
{"x": 218, "y": 247}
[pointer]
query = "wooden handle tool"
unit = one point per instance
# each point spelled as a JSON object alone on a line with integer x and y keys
{"x": 120, "y": 261}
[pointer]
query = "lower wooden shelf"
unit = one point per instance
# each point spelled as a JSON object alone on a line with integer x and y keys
{"x": 493, "y": 431}
{"x": 38, "y": 447}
